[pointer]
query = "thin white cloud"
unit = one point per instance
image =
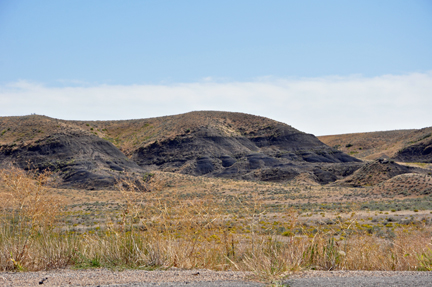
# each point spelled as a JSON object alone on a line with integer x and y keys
{"x": 327, "y": 105}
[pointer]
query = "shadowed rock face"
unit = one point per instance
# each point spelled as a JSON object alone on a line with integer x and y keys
{"x": 276, "y": 155}
{"x": 82, "y": 160}
{"x": 420, "y": 152}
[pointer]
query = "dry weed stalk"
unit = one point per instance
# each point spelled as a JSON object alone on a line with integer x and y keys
{"x": 28, "y": 214}
{"x": 27, "y": 199}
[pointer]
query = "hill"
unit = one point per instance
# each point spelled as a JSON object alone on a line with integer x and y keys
{"x": 378, "y": 171}
{"x": 401, "y": 145}
{"x": 210, "y": 143}
{"x": 82, "y": 159}
{"x": 224, "y": 144}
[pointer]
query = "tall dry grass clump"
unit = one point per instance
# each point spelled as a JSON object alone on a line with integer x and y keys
{"x": 29, "y": 213}
{"x": 27, "y": 200}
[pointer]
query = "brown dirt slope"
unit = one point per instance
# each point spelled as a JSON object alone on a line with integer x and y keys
{"x": 402, "y": 145}
{"x": 378, "y": 171}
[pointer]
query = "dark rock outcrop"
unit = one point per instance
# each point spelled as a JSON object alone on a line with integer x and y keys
{"x": 418, "y": 152}
{"x": 81, "y": 160}
{"x": 275, "y": 153}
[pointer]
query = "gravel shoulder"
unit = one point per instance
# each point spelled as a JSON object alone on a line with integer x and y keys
{"x": 134, "y": 278}
{"x": 360, "y": 278}
{"x": 106, "y": 277}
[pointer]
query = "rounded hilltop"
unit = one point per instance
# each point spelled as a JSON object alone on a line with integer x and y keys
{"x": 130, "y": 134}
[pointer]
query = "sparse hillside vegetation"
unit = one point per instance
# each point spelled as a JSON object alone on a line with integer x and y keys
{"x": 407, "y": 184}
{"x": 374, "y": 145}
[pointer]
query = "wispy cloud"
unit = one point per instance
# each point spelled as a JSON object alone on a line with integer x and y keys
{"x": 326, "y": 105}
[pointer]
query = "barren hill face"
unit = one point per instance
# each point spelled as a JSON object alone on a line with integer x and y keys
{"x": 376, "y": 172}
{"x": 220, "y": 144}
{"x": 129, "y": 135}
{"x": 235, "y": 145}
{"x": 82, "y": 159}
{"x": 401, "y": 145}
{"x": 418, "y": 151}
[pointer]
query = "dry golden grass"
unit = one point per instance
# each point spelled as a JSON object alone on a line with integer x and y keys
{"x": 167, "y": 227}
{"x": 28, "y": 216}
{"x": 26, "y": 196}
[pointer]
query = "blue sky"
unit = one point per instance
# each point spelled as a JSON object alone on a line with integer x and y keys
{"x": 195, "y": 50}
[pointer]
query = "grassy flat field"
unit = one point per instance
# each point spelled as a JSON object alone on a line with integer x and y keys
{"x": 87, "y": 209}
{"x": 271, "y": 229}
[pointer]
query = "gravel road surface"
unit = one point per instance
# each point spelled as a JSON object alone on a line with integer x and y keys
{"x": 360, "y": 278}
{"x": 105, "y": 277}
{"x": 194, "y": 284}
{"x": 206, "y": 278}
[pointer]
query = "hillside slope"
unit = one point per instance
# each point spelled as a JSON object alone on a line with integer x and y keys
{"x": 219, "y": 144}
{"x": 378, "y": 171}
{"x": 402, "y": 145}
{"x": 82, "y": 159}
{"x": 243, "y": 146}
{"x": 418, "y": 151}
{"x": 224, "y": 144}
